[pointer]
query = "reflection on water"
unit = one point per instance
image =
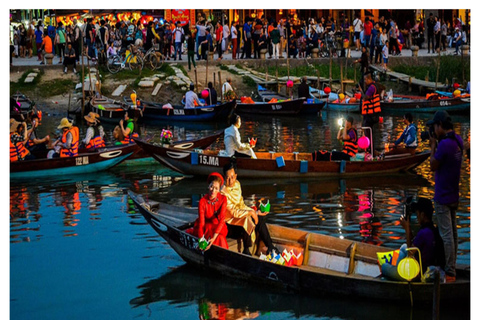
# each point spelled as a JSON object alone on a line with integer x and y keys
{"x": 93, "y": 211}
{"x": 212, "y": 296}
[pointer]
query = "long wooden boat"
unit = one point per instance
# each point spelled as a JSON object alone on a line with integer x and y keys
{"x": 110, "y": 110}
{"x": 153, "y": 111}
{"x": 451, "y": 105}
{"x": 21, "y": 106}
{"x": 330, "y": 266}
{"x": 199, "y": 143}
{"x": 99, "y": 160}
{"x": 283, "y": 108}
{"x": 278, "y": 165}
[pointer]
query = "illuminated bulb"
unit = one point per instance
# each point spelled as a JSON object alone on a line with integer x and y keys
{"x": 340, "y": 122}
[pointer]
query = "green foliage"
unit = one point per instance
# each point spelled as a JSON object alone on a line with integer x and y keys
{"x": 450, "y": 67}
{"x": 23, "y": 87}
{"x": 249, "y": 81}
{"x": 55, "y": 87}
{"x": 225, "y": 68}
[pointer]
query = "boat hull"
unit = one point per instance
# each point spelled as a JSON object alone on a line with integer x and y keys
{"x": 100, "y": 160}
{"x": 304, "y": 278}
{"x": 459, "y": 105}
{"x": 290, "y": 107}
{"x": 342, "y": 107}
{"x": 267, "y": 164}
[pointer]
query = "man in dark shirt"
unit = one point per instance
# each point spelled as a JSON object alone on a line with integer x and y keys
{"x": 446, "y": 160}
{"x": 70, "y": 58}
{"x": 212, "y": 95}
{"x": 430, "y": 33}
{"x": 303, "y": 89}
{"x": 363, "y": 65}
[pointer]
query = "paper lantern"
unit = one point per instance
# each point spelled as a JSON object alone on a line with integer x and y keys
{"x": 408, "y": 268}
{"x": 341, "y": 96}
{"x": 456, "y": 93}
{"x": 456, "y": 85}
{"x": 327, "y": 90}
{"x": 358, "y": 96}
{"x": 204, "y": 94}
{"x": 364, "y": 142}
{"x": 289, "y": 84}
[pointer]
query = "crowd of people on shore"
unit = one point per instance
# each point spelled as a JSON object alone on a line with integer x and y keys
{"x": 244, "y": 40}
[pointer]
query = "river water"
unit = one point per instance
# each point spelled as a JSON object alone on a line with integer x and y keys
{"x": 80, "y": 250}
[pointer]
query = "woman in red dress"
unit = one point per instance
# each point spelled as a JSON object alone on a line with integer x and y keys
{"x": 211, "y": 214}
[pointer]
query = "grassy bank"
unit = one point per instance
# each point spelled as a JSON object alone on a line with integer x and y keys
{"x": 450, "y": 67}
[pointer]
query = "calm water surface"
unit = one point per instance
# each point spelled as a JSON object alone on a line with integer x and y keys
{"x": 80, "y": 250}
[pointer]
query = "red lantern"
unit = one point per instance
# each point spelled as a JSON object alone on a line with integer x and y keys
{"x": 358, "y": 96}
{"x": 205, "y": 94}
{"x": 327, "y": 90}
{"x": 289, "y": 84}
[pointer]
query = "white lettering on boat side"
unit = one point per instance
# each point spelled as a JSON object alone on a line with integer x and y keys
{"x": 80, "y": 161}
{"x": 208, "y": 160}
{"x": 178, "y": 112}
{"x": 276, "y": 106}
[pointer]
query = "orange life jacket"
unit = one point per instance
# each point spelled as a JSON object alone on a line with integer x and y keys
{"x": 73, "y": 151}
{"x": 373, "y": 105}
{"x": 97, "y": 141}
{"x": 129, "y": 138}
{"x": 350, "y": 147}
{"x": 17, "y": 150}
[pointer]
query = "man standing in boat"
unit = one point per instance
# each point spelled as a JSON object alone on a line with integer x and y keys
{"x": 371, "y": 105}
{"x": 243, "y": 221}
{"x": 446, "y": 160}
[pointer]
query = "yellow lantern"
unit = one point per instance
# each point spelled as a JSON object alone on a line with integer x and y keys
{"x": 133, "y": 96}
{"x": 408, "y": 268}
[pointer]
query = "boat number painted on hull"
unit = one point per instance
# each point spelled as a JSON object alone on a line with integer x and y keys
{"x": 276, "y": 107}
{"x": 188, "y": 241}
{"x": 80, "y": 161}
{"x": 208, "y": 160}
{"x": 444, "y": 103}
{"x": 178, "y": 112}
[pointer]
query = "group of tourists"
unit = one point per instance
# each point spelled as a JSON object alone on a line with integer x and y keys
{"x": 286, "y": 36}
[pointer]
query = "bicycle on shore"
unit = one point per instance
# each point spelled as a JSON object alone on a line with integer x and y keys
{"x": 153, "y": 59}
{"x": 130, "y": 57}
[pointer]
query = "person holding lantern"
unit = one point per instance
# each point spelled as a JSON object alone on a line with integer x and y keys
{"x": 348, "y": 135}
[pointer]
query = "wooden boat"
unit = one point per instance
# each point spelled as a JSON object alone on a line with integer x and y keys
{"x": 278, "y": 165}
{"x": 99, "y": 160}
{"x": 286, "y": 107}
{"x": 153, "y": 111}
{"x": 283, "y": 106}
{"x": 110, "y": 110}
{"x": 199, "y": 143}
{"x": 330, "y": 266}
{"x": 21, "y": 106}
{"x": 405, "y": 104}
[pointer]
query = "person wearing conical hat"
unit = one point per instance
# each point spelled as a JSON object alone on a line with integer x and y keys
{"x": 69, "y": 140}
{"x": 94, "y": 138}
